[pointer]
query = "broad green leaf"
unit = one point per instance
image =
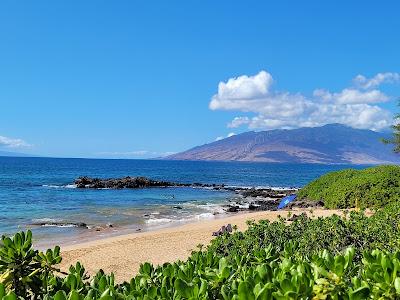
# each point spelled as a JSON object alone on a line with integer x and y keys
{"x": 397, "y": 285}
{"x": 182, "y": 288}
{"x": 60, "y": 295}
{"x": 10, "y": 296}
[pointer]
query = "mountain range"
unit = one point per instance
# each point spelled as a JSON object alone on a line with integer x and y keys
{"x": 13, "y": 154}
{"x": 329, "y": 144}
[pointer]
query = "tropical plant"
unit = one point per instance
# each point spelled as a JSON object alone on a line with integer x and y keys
{"x": 24, "y": 270}
{"x": 370, "y": 187}
{"x": 339, "y": 257}
{"x": 395, "y": 140}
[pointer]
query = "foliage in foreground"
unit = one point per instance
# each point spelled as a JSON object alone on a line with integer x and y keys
{"x": 334, "y": 234}
{"x": 371, "y": 187}
{"x": 286, "y": 269}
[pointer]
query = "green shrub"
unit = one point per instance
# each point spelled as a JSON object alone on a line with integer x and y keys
{"x": 333, "y": 233}
{"x": 333, "y": 258}
{"x": 371, "y": 187}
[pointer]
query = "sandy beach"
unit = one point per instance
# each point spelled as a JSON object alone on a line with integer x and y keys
{"x": 124, "y": 254}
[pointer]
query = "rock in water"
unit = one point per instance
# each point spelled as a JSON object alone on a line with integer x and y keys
{"x": 121, "y": 183}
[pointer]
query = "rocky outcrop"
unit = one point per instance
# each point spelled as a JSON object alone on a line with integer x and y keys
{"x": 224, "y": 229}
{"x": 61, "y": 224}
{"x": 254, "y": 199}
{"x": 266, "y": 199}
{"x": 121, "y": 183}
{"x": 128, "y": 182}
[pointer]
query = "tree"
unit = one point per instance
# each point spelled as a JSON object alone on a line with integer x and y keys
{"x": 395, "y": 140}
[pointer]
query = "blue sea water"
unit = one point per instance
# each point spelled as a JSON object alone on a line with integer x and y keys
{"x": 40, "y": 190}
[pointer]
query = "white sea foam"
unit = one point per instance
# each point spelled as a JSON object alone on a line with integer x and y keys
{"x": 274, "y": 188}
{"x": 66, "y": 186}
{"x": 204, "y": 216}
{"x": 195, "y": 217}
{"x": 70, "y": 186}
{"x": 60, "y": 225}
{"x": 45, "y": 220}
{"x": 159, "y": 221}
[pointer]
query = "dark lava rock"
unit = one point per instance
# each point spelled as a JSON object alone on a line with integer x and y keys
{"x": 223, "y": 229}
{"x": 303, "y": 203}
{"x": 295, "y": 217}
{"x": 121, "y": 183}
{"x": 61, "y": 224}
{"x": 253, "y": 206}
{"x": 232, "y": 209}
{"x": 264, "y": 193}
{"x": 134, "y": 183}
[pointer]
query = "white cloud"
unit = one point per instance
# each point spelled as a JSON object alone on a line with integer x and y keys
{"x": 352, "y": 106}
{"x": 238, "y": 121}
{"x": 133, "y": 154}
{"x": 352, "y": 96}
{"x": 126, "y": 153}
{"x": 12, "y": 142}
{"x": 367, "y": 83}
{"x": 238, "y": 91}
{"x": 224, "y": 137}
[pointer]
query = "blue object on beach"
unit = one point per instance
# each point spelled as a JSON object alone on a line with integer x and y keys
{"x": 286, "y": 200}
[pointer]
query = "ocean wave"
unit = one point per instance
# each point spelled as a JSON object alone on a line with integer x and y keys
{"x": 259, "y": 187}
{"x": 45, "y": 220}
{"x": 204, "y": 216}
{"x": 65, "y": 186}
{"x": 195, "y": 217}
{"x": 209, "y": 207}
{"x": 159, "y": 221}
{"x": 59, "y": 225}
{"x": 50, "y": 222}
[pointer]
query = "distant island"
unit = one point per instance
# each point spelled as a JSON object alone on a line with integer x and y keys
{"x": 15, "y": 154}
{"x": 329, "y": 144}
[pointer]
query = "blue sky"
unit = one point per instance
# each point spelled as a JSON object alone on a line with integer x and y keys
{"x": 142, "y": 78}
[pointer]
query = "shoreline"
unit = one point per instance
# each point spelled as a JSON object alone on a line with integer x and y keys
{"x": 239, "y": 200}
{"x": 123, "y": 254}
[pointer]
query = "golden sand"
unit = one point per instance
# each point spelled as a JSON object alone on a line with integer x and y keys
{"x": 124, "y": 254}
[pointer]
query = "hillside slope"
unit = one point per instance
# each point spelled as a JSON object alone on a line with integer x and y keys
{"x": 329, "y": 144}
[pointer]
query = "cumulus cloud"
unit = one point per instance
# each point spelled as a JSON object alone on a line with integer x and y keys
{"x": 238, "y": 91}
{"x": 13, "y": 142}
{"x": 352, "y": 96}
{"x": 367, "y": 83}
{"x": 355, "y": 106}
{"x": 238, "y": 121}
{"x": 224, "y": 137}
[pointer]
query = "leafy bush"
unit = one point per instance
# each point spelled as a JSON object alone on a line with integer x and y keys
{"x": 328, "y": 258}
{"x": 371, "y": 187}
{"x": 267, "y": 274}
{"x": 333, "y": 233}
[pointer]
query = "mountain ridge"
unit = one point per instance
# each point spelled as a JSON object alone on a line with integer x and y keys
{"x": 14, "y": 154}
{"x": 328, "y": 144}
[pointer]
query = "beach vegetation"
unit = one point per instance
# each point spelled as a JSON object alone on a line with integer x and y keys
{"x": 338, "y": 257}
{"x": 372, "y": 187}
{"x": 395, "y": 140}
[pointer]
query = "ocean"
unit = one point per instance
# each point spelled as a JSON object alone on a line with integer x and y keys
{"x": 35, "y": 193}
